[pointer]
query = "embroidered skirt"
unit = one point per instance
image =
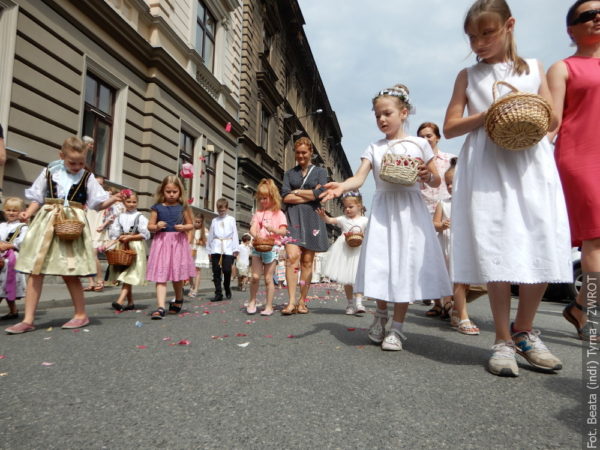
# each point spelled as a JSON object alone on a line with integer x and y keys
{"x": 43, "y": 253}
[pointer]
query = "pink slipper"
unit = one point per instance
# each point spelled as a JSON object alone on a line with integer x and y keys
{"x": 20, "y": 328}
{"x": 76, "y": 323}
{"x": 266, "y": 313}
{"x": 250, "y": 311}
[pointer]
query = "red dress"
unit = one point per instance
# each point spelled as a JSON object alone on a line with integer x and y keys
{"x": 578, "y": 148}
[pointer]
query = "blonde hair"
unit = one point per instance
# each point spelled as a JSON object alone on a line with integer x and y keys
{"x": 15, "y": 201}
{"x": 172, "y": 179}
{"x": 73, "y": 144}
{"x": 353, "y": 195}
{"x": 501, "y": 10}
{"x": 266, "y": 187}
{"x": 223, "y": 202}
{"x": 202, "y": 239}
{"x": 399, "y": 92}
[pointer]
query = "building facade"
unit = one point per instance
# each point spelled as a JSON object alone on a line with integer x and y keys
{"x": 160, "y": 83}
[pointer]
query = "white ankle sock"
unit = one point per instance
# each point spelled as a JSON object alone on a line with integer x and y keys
{"x": 381, "y": 312}
{"x": 397, "y": 326}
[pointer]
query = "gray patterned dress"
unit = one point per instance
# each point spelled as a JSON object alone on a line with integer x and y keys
{"x": 304, "y": 224}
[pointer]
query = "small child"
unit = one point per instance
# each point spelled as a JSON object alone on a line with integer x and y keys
{"x": 280, "y": 270}
{"x": 63, "y": 188}
{"x": 268, "y": 221}
{"x": 12, "y": 233}
{"x": 342, "y": 260}
{"x": 242, "y": 262}
{"x": 223, "y": 245}
{"x": 199, "y": 252}
{"x": 170, "y": 255}
{"x": 129, "y": 228}
{"x": 400, "y": 259}
{"x": 459, "y": 318}
{"x": 510, "y": 222}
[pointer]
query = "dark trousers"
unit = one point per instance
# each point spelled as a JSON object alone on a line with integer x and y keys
{"x": 225, "y": 268}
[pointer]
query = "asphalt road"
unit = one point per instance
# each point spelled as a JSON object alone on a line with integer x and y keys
{"x": 250, "y": 382}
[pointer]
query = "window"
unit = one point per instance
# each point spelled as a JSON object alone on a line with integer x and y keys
{"x": 98, "y": 123}
{"x": 186, "y": 155}
{"x": 210, "y": 171}
{"x": 205, "y": 35}
{"x": 265, "y": 120}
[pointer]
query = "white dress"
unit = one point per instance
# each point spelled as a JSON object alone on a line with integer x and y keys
{"x": 509, "y": 215}
{"x": 400, "y": 258}
{"x": 202, "y": 261}
{"x": 341, "y": 259}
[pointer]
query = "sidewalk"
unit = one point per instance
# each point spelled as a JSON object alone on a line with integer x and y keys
{"x": 56, "y": 295}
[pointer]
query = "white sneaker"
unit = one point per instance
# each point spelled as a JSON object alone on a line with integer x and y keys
{"x": 530, "y": 346}
{"x": 503, "y": 361}
{"x": 350, "y": 309}
{"x": 359, "y": 307}
{"x": 376, "y": 331}
{"x": 392, "y": 341}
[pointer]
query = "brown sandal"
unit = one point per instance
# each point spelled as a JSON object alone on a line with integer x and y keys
{"x": 289, "y": 310}
{"x": 582, "y": 331}
{"x": 434, "y": 312}
{"x": 302, "y": 309}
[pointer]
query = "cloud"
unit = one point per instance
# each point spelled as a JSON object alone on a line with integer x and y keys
{"x": 361, "y": 47}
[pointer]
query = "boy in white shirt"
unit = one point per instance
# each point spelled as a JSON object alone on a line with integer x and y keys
{"x": 223, "y": 247}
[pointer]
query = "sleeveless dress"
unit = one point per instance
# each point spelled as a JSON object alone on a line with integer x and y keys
{"x": 509, "y": 215}
{"x": 578, "y": 148}
{"x": 400, "y": 257}
{"x": 341, "y": 260}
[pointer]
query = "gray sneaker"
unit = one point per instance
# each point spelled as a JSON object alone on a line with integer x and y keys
{"x": 503, "y": 361}
{"x": 392, "y": 341}
{"x": 376, "y": 331}
{"x": 531, "y": 347}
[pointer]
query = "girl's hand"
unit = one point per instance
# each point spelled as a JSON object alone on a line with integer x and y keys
{"x": 446, "y": 223}
{"x": 124, "y": 238}
{"x": 424, "y": 173}
{"x": 24, "y": 216}
{"x": 333, "y": 190}
{"x": 179, "y": 227}
{"x": 321, "y": 213}
{"x": 161, "y": 224}
{"x": 99, "y": 229}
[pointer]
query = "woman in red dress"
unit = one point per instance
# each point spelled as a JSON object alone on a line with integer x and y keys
{"x": 575, "y": 86}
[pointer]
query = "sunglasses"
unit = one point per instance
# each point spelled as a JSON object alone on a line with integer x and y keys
{"x": 585, "y": 16}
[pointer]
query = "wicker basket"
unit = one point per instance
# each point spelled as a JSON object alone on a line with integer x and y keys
{"x": 517, "y": 120}
{"x": 354, "y": 236}
{"x": 67, "y": 229}
{"x": 120, "y": 256}
{"x": 263, "y": 244}
{"x": 400, "y": 169}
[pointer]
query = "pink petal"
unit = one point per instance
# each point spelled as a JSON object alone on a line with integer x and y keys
{"x": 184, "y": 342}
{"x": 241, "y": 335}
{"x": 291, "y": 336}
{"x": 166, "y": 339}
{"x": 351, "y": 329}
{"x": 47, "y": 364}
{"x": 141, "y": 347}
{"x": 315, "y": 232}
{"x": 2, "y": 356}
{"x": 268, "y": 335}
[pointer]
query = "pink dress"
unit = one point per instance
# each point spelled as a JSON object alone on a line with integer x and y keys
{"x": 578, "y": 148}
{"x": 170, "y": 255}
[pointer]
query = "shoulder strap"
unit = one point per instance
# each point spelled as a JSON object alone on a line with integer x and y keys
{"x": 82, "y": 182}
{"x": 15, "y": 234}
{"x": 306, "y": 177}
{"x": 49, "y": 183}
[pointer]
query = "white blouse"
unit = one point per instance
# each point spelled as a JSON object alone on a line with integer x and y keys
{"x": 8, "y": 227}
{"x": 64, "y": 180}
{"x": 124, "y": 224}
{"x": 223, "y": 236}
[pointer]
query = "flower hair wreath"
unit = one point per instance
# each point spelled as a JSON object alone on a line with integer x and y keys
{"x": 401, "y": 94}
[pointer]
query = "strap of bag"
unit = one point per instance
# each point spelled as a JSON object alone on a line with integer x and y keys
{"x": 15, "y": 234}
{"x": 306, "y": 177}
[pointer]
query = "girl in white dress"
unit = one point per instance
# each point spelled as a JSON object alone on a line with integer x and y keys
{"x": 459, "y": 318}
{"x": 400, "y": 260}
{"x": 12, "y": 233}
{"x": 199, "y": 251}
{"x": 342, "y": 260}
{"x": 510, "y": 222}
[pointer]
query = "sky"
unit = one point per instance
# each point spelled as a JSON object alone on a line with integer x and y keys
{"x": 361, "y": 47}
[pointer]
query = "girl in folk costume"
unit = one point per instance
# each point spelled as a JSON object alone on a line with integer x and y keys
{"x": 509, "y": 222}
{"x": 342, "y": 259}
{"x": 170, "y": 255}
{"x": 268, "y": 222}
{"x": 60, "y": 191}
{"x": 400, "y": 257}
{"x": 199, "y": 252}
{"x": 12, "y": 233}
{"x": 130, "y": 228}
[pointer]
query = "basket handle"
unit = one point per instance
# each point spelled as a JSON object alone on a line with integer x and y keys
{"x": 495, "y": 88}
{"x": 389, "y": 149}
{"x": 355, "y": 226}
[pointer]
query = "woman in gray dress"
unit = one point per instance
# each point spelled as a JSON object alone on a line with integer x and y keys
{"x": 301, "y": 188}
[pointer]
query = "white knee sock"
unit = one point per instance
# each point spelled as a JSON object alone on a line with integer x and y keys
{"x": 397, "y": 326}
